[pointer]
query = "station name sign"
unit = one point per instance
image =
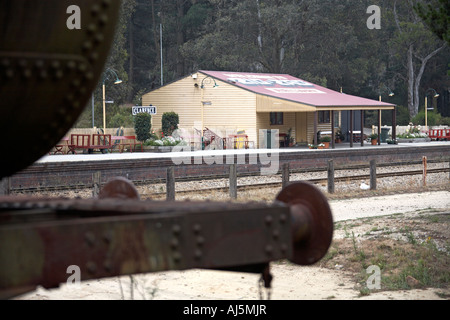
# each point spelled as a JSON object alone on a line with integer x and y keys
{"x": 141, "y": 109}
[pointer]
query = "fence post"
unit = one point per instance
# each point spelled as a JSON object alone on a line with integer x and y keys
{"x": 233, "y": 181}
{"x": 96, "y": 181}
{"x": 330, "y": 176}
{"x": 373, "y": 175}
{"x": 285, "y": 174}
{"x": 424, "y": 176}
{"x": 5, "y": 186}
{"x": 170, "y": 184}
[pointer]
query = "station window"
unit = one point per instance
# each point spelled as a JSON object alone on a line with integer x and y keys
{"x": 324, "y": 116}
{"x": 276, "y": 118}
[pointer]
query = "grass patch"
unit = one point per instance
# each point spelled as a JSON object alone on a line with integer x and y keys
{"x": 414, "y": 262}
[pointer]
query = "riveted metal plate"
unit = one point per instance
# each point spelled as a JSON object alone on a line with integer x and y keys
{"x": 48, "y": 71}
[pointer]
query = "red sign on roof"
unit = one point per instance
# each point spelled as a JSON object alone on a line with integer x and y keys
{"x": 287, "y": 87}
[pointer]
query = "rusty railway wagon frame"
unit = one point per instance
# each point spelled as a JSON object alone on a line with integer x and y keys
{"x": 48, "y": 72}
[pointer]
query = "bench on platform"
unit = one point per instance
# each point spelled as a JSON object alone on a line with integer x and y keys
{"x": 84, "y": 142}
{"x": 61, "y": 147}
{"x": 123, "y": 141}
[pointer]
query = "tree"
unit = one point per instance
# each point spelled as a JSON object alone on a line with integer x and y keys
{"x": 415, "y": 45}
{"x": 436, "y": 16}
{"x": 142, "y": 126}
{"x": 169, "y": 122}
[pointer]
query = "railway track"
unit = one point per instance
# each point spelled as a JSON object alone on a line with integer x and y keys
{"x": 248, "y": 186}
{"x": 315, "y": 181}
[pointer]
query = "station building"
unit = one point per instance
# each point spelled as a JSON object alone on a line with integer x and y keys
{"x": 249, "y": 102}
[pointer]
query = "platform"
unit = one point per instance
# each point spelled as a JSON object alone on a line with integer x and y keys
{"x": 205, "y": 153}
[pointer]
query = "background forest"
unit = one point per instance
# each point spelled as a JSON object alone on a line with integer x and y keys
{"x": 322, "y": 41}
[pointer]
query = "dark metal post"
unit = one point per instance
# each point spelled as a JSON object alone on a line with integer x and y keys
{"x": 362, "y": 128}
{"x": 373, "y": 175}
{"x": 5, "y": 186}
{"x": 333, "y": 136}
{"x": 285, "y": 174}
{"x": 330, "y": 176}
{"x": 379, "y": 127}
{"x": 170, "y": 184}
{"x": 351, "y": 128}
{"x": 315, "y": 128}
{"x": 233, "y": 181}
{"x": 96, "y": 183}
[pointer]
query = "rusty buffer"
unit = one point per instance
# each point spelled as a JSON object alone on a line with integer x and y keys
{"x": 48, "y": 70}
{"x": 118, "y": 234}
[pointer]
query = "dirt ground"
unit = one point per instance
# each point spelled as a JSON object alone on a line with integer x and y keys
{"x": 410, "y": 246}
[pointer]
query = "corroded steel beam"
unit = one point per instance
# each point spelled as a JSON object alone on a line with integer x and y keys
{"x": 41, "y": 237}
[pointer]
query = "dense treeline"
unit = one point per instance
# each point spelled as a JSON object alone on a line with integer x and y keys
{"x": 326, "y": 42}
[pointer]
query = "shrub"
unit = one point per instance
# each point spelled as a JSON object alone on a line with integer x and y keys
{"x": 142, "y": 126}
{"x": 325, "y": 139}
{"x": 403, "y": 117}
{"x": 169, "y": 123}
{"x": 433, "y": 119}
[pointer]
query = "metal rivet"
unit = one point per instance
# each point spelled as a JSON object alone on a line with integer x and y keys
{"x": 107, "y": 237}
{"x": 91, "y": 267}
{"x": 284, "y": 247}
{"x": 283, "y": 218}
{"x": 106, "y": 3}
{"x": 71, "y": 65}
{"x": 99, "y": 37}
{"x": 200, "y": 240}
{"x": 269, "y": 249}
{"x": 198, "y": 254}
{"x": 108, "y": 266}
{"x": 197, "y": 228}
{"x": 95, "y": 9}
{"x": 43, "y": 74}
{"x": 92, "y": 28}
{"x": 268, "y": 220}
{"x": 90, "y": 238}
{"x": 276, "y": 234}
{"x": 9, "y": 73}
{"x": 174, "y": 243}
{"x": 176, "y": 229}
{"x": 176, "y": 256}
{"x": 103, "y": 19}
{"x": 26, "y": 73}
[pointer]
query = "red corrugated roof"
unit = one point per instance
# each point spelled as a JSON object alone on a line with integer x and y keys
{"x": 287, "y": 87}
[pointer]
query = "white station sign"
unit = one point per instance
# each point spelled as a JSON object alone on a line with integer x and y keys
{"x": 144, "y": 109}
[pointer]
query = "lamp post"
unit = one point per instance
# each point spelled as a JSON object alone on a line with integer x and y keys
{"x": 391, "y": 94}
{"x": 426, "y": 105}
{"x": 106, "y": 74}
{"x": 209, "y": 80}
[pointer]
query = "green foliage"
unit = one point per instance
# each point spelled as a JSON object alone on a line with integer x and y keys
{"x": 433, "y": 119}
{"x": 123, "y": 118}
{"x": 170, "y": 121}
{"x": 403, "y": 117}
{"x": 142, "y": 126}
{"x": 436, "y": 16}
